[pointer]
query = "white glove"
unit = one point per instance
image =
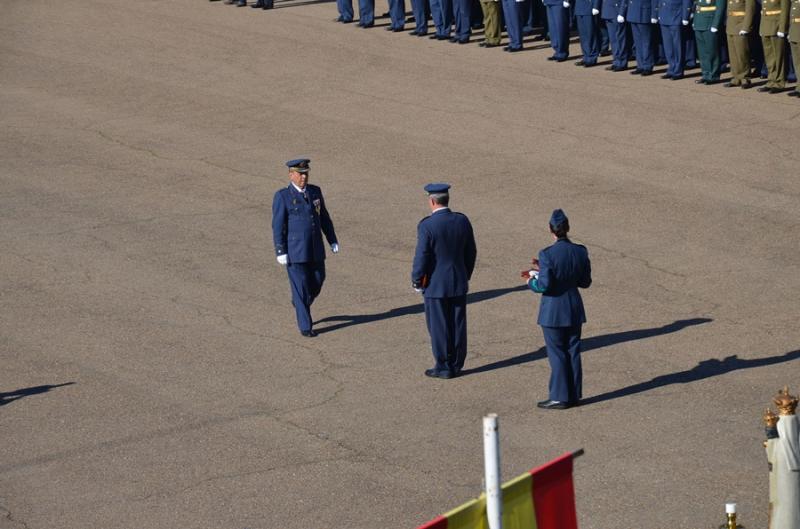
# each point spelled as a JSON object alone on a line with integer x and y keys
{"x": 335, "y": 247}
{"x": 781, "y": 35}
{"x": 654, "y": 21}
{"x": 595, "y": 11}
{"x": 283, "y": 259}
{"x": 685, "y": 22}
{"x": 565, "y": 4}
{"x": 534, "y": 274}
{"x": 620, "y": 19}
{"x": 742, "y": 33}
{"x": 714, "y": 30}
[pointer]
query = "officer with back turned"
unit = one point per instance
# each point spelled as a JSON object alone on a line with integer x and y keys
{"x": 299, "y": 219}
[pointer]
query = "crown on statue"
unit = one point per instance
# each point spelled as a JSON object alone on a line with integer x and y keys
{"x": 770, "y": 419}
{"x": 786, "y": 403}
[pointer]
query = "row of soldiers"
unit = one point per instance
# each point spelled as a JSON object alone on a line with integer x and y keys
{"x": 651, "y": 31}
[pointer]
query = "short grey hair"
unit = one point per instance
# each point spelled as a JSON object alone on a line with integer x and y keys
{"x": 443, "y": 199}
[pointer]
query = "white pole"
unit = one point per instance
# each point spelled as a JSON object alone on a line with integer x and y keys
{"x": 491, "y": 464}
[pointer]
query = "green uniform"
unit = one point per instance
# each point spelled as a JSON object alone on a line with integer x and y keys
{"x": 491, "y": 21}
{"x": 774, "y": 20}
{"x": 708, "y": 17}
{"x": 794, "y": 38}
{"x": 740, "y": 19}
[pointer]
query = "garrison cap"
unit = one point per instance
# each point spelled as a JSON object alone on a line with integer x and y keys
{"x": 300, "y": 165}
{"x": 558, "y": 218}
{"x": 436, "y": 189}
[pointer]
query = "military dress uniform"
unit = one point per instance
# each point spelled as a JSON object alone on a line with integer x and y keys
{"x": 794, "y": 41}
{"x": 299, "y": 219}
{"x": 558, "y": 23}
{"x": 462, "y": 20}
{"x": 512, "y": 13}
{"x": 443, "y": 263}
{"x": 737, "y": 28}
{"x": 773, "y": 29}
{"x": 442, "y": 14}
{"x": 588, "y": 30}
{"x": 672, "y": 16}
{"x": 563, "y": 268}
{"x": 397, "y": 15}
{"x": 492, "y": 26}
{"x": 708, "y": 18}
{"x": 640, "y": 14}
{"x": 613, "y": 12}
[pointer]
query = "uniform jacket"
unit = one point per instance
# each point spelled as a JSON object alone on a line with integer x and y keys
{"x": 584, "y": 7}
{"x": 298, "y": 224}
{"x": 673, "y": 12}
{"x": 641, "y": 11}
{"x": 611, "y": 8}
{"x": 774, "y": 17}
{"x": 445, "y": 253}
{"x": 794, "y": 23}
{"x": 563, "y": 268}
{"x": 740, "y": 16}
{"x": 708, "y": 14}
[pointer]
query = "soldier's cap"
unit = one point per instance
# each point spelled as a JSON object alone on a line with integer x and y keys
{"x": 437, "y": 189}
{"x": 558, "y": 218}
{"x": 300, "y": 165}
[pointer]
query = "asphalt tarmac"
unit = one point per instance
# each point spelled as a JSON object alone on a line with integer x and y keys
{"x": 152, "y": 372}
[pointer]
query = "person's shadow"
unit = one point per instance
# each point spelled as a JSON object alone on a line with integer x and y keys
{"x": 705, "y": 369}
{"x": 592, "y": 342}
{"x": 357, "y": 319}
{"x": 11, "y": 396}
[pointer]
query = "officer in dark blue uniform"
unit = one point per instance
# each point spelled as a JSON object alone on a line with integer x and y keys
{"x": 641, "y": 15}
{"x": 558, "y": 22}
{"x": 586, "y": 14}
{"x": 443, "y": 264}
{"x": 299, "y": 218}
{"x": 673, "y": 15}
{"x": 563, "y": 267}
{"x": 613, "y": 12}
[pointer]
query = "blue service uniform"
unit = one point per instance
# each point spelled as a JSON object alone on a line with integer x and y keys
{"x": 563, "y": 268}
{"x": 512, "y": 13}
{"x": 588, "y": 30}
{"x": 397, "y": 15}
{"x": 298, "y": 222}
{"x": 345, "y": 8}
{"x": 617, "y": 32}
{"x": 445, "y": 255}
{"x": 639, "y": 14}
{"x": 462, "y": 17}
{"x": 366, "y": 13}
{"x": 671, "y": 14}
{"x": 558, "y": 24}
{"x": 442, "y": 14}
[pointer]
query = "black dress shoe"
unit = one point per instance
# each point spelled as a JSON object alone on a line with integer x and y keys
{"x": 794, "y": 93}
{"x": 605, "y": 53}
{"x": 610, "y": 68}
{"x": 746, "y": 86}
{"x": 637, "y": 71}
{"x": 514, "y": 50}
{"x": 260, "y": 4}
{"x": 729, "y": 85}
{"x": 442, "y": 37}
{"x": 488, "y": 45}
{"x": 646, "y": 73}
{"x": 552, "y": 405}
{"x": 667, "y": 76}
{"x": 365, "y": 26}
{"x": 241, "y": 3}
{"x": 619, "y": 68}
{"x": 552, "y": 58}
{"x": 580, "y": 62}
{"x": 422, "y": 34}
{"x": 700, "y": 81}
{"x": 463, "y": 41}
{"x": 433, "y": 373}
{"x": 589, "y": 64}
{"x": 413, "y": 32}
{"x": 763, "y": 89}
{"x": 712, "y": 81}
{"x": 677, "y": 77}
{"x": 775, "y": 90}
{"x": 309, "y": 333}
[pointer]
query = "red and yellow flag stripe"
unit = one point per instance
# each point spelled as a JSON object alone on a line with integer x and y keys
{"x": 543, "y": 498}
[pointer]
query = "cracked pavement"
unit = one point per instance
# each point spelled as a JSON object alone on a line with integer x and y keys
{"x": 152, "y": 372}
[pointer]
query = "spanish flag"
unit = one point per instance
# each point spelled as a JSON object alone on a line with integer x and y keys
{"x": 543, "y": 498}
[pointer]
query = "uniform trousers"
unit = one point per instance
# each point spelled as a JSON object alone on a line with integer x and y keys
{"x": 673, "y": 49}
{"x": 366, "y": 12}
{"x": 590, "y": 43}
{"x": 564, "y": 354}
{"x": 397, "y": 13}
{"x": 491, "y": 21}
{"x": 513, "y": 16}
{"x": 775, "y": 57}
{"x": 620, "y": 48}
{"x": 643, "y": 40}
{"x": 442, "y": 13}
{"x": 447, "y": 325}
{"x": 558, "y": 22}
{"x": 796, "y": 60}
{"x": 739, "y": 50}
{"x": 345, "y": 8}
{"x": 421, "y": 13}
{"x": 708, "y": 50}
{"x": 689, "y": 47}
{"x": 305, "y": 280}
{"x": 462, "y": 14}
